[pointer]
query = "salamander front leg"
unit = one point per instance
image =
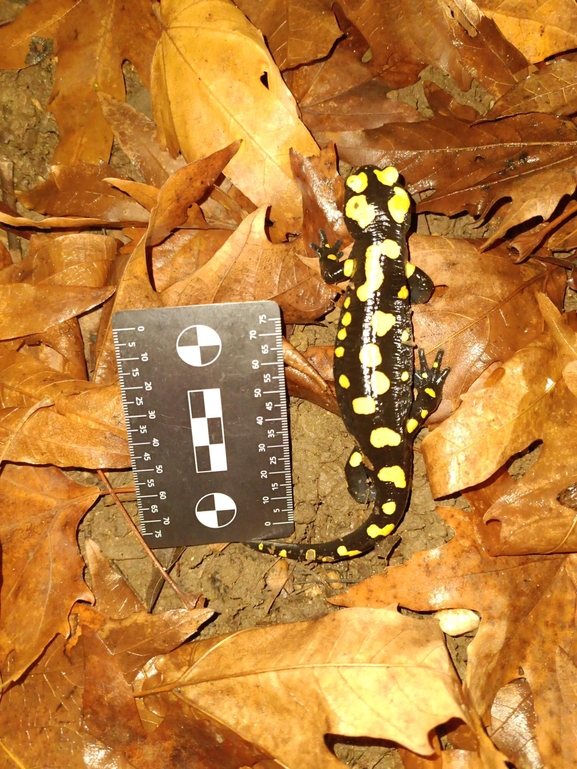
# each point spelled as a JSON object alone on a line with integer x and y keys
{"x": 332, "y": 270}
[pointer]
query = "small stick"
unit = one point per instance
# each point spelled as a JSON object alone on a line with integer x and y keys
{"x": 7, "y": 196}
{"x": 155, "y": 562}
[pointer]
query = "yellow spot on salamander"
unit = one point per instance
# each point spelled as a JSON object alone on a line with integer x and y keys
{"x": 373, "y": 273}
{"x": 391, "y": 248}
{"x": 358, "y": 182}
{"x": 370, "y": 355}
{"x": 380, "y": 383}
{"x": 342, "y": 551}
{"x": 424, "y": 413}
{"x": 389, "y": 508}
{"x": 282, "y": 554}
{"x": 347, "y": 302}
{"x": 342, "y": 334}
{"x": 348, "y": 267}
{"x": 332, "y": 257}
{"x": 346, "y": 319}
{"x": 399, "y": 205}
{"x": 344, "y": 381}
{"x": 412, "y": 425}
{"x": 424, "y": 375}
{"x": 310, "y": 554}
{"x": 388, "y": 175}
{"x": 430, "y": 392}
{"x": 409, "y": 269}
{"x": 375, "y": 531}
{"x": 382, "y": 322}
{"x": 361, "y": 211}
{"x": 405, "y": 337}
{"x": 403, "y": 292}
{"x": 394, "y": 474}
{"x": 261, "y": 545}
{"x": 339, "y": 352}
{"x": 405, "y": 376}
{"x": 383, "y": 436}
{"x": 364, "y": 405}
{"x": 355, "y": 459}
{"x": 435, "y": 365}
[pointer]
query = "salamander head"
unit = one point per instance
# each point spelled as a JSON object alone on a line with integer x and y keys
{"x": 376, "y": 203}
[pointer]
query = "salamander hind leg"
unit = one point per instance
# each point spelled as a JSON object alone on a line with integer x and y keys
{"x": 359, "y": 483}
{"x": 429, "y": 382}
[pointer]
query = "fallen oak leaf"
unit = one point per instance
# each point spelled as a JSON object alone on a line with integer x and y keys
{"x": 214, "y": 82}
{"x": 91, "y": 41}
{"x": 516, "y": 596}
{"x": 525, "y": 400}
{"x": 359, "y": 673}
{"x": 42, "y": 567}
{"x": 26, "y": 309}
{"x": 249, "y": 267}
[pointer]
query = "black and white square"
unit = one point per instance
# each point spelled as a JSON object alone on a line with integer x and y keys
{"x": 207, "y": 426}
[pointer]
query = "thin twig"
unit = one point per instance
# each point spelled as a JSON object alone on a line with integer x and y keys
{"x": 155, "y": 562}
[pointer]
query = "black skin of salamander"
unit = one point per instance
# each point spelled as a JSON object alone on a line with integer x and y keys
{"x": 399, "y": 404}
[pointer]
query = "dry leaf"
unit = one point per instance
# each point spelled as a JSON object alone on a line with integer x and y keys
{"x": 41, "y": 565}
{"x": 249, "y": 267}
{"x": 91, "y": 40}
{"x": 215, "y": 82}
{"x": 358, "y": 673}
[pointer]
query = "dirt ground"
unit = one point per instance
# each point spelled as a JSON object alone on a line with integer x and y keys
{"x": 240, "y": 585}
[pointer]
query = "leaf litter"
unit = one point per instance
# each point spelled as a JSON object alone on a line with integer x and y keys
{"x": 90, "y": 674}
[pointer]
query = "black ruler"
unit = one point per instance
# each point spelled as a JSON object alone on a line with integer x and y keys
{"x": 205, "y": 404}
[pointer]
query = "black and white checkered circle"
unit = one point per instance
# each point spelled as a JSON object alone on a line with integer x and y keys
{"x": 198, "y": 345}
{"x": 215, "y": 510}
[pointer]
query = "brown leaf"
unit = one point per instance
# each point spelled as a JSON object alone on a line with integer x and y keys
{"x": 47, "y": 438}
{"x": 91, "y": 40}
{"x": 225, "y": 66}
{"x": 513, "y": 723}
{"x": 82, "y": 191}
{"x": 250, "y": 267}
{"x": 304, "y": 381}
{"x": 359, "y": 673}
{"x": 517, "y": 597}
{"x": 75, "y": 259}
{"x": 114, "y": 598}
{"x": 183, "y": 739}
{"x": 184, "y": 188}
{"x": 136, "y": 134}
{"x": 41, "y": 565}
{"x": 537, "y": 28}
{"x": 552, "y": 89}
{"x": 344, "y": 91}
{"x": 184, "y": 252}
{"x": 26, "y": 309}
{"x": 296, "y": 32}
{"x": 487, "y": 311}
{"x": 525, "y": 400}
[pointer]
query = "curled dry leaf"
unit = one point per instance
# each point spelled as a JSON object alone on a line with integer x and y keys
{"x": 361, "y": 672}
{"x": 42, "y": 567}
{"x": 525, "y": 400}
{"x": 136, "y": 134}
{"x": 304, "y": 381}
{"x": 215, "y": 82}
{"x": 249, "y": 267}
{"x": 82, "y": 191}
{"x": 73, "y": 259}
{"x": 26, "y": 309}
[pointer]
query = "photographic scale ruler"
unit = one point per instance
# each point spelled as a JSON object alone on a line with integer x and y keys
{"x": 204, "y": 397}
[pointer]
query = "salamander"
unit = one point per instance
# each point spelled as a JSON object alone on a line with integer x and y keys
{"x": 383, "y": 399}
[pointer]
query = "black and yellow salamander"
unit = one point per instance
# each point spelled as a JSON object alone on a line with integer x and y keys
{"x": 383, "y": 400}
